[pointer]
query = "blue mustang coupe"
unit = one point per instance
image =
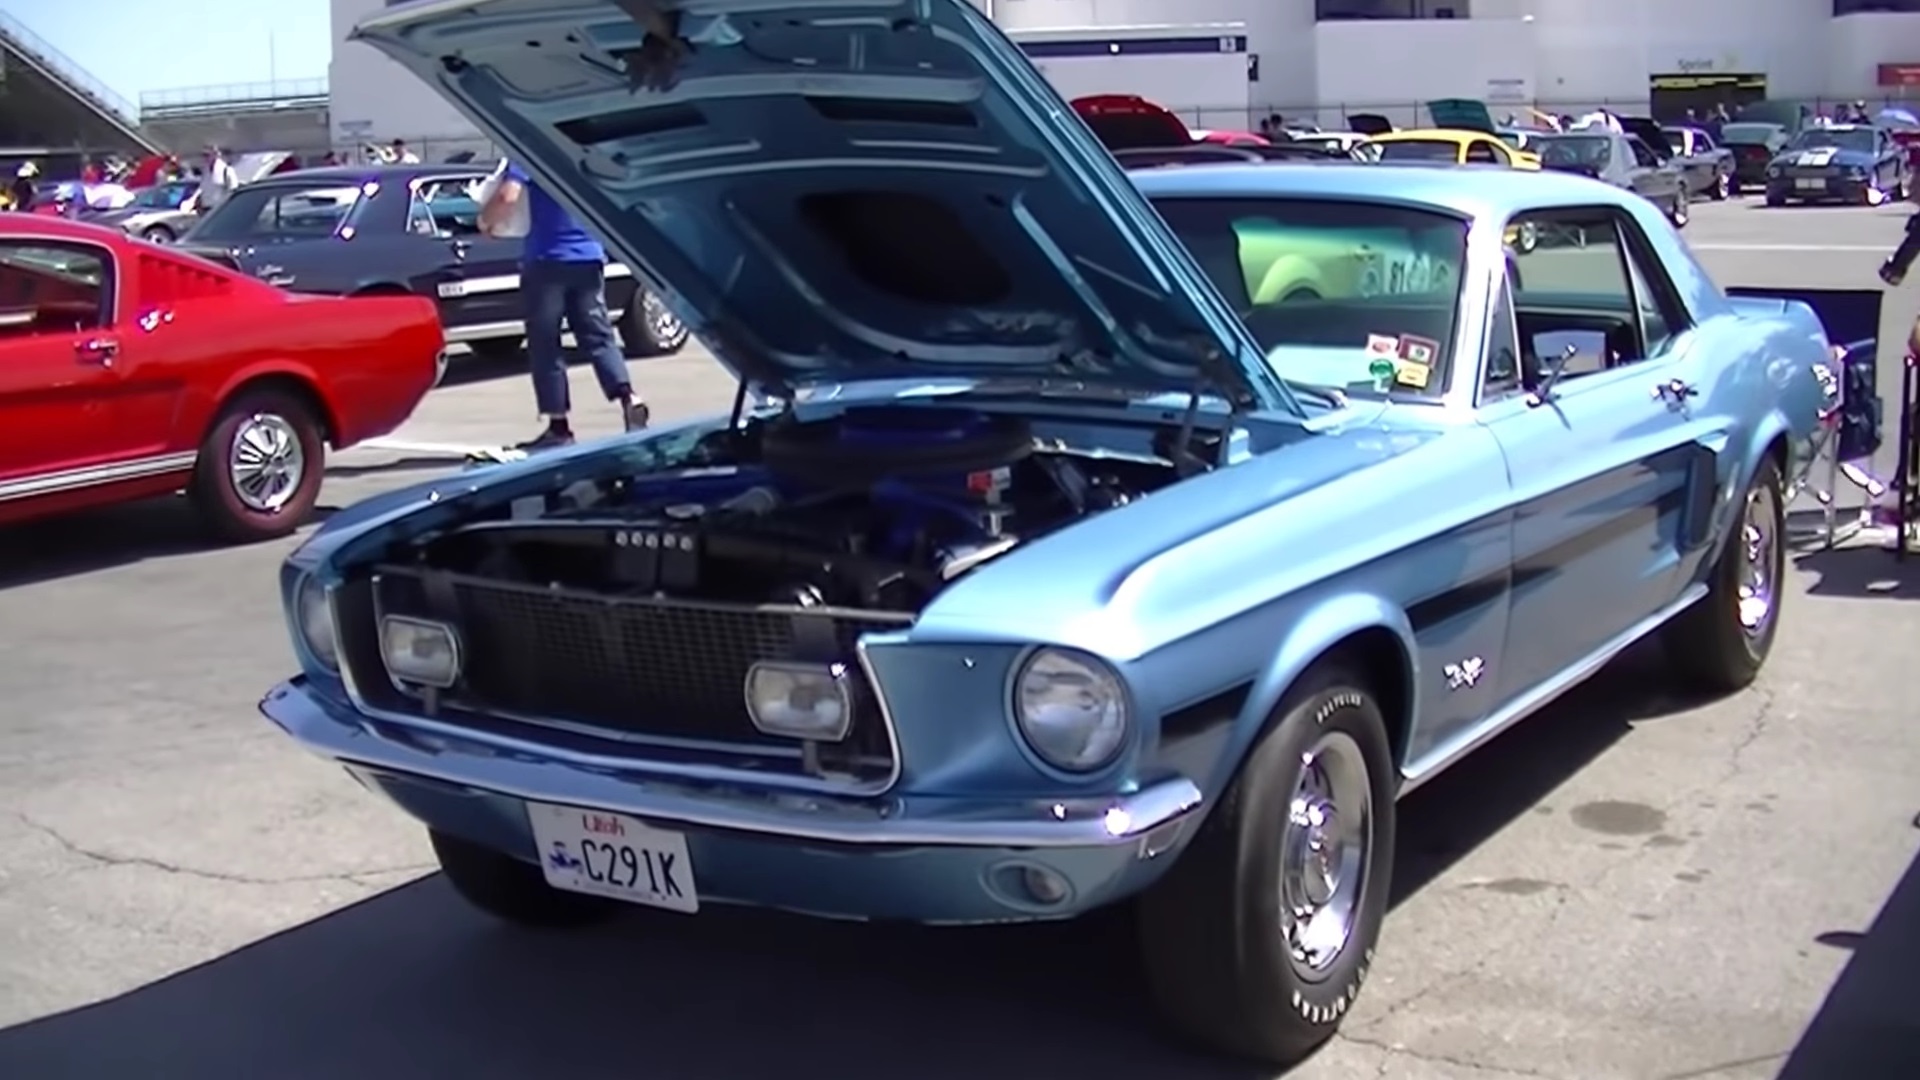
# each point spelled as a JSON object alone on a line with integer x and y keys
{"x": 1102, "y": 538}
{"x": 1856, "y": 163}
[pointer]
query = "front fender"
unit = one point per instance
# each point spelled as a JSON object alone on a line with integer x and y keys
{"x": 1323, "y": 623}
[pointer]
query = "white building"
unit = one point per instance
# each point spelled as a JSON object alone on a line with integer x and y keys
{"x": 1224, "y": 63}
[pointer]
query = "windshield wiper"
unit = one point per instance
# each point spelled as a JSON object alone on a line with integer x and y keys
{"x": 1332, "y": 397}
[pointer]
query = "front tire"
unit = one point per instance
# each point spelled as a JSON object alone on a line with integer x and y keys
{"x": 1258, "y": 940}
{"x": 510, "y": 890}
{"x": 260, "y": 466}
{"x": 648, "y": 328}
{"x": 1718, "y": 645}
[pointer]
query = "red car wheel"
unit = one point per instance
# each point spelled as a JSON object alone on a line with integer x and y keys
{"x": 260, "y": 466}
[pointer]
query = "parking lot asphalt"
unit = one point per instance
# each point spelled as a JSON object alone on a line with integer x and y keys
{"x": 1626, "y": 886}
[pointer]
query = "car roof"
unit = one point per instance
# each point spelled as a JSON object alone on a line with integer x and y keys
{"x": 51, "y": 227}
{"x": 1491, "y": 191}
{"x": 360, "y": 174}
{"x": 1453, "y": 135}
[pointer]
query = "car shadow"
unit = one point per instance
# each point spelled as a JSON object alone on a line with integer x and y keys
{"x": 1868, "y": 1028}
{"x": 409, "y": 463}
{"x": 1861, "y": 570}
{"x": 92, "y": 540}
{"x": 414, "y": 983}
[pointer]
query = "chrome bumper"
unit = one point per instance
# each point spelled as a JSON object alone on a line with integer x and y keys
{"x": 335, "y": 731}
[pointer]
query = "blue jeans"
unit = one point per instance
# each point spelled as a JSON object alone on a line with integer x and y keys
{"x": 577, "y": 293}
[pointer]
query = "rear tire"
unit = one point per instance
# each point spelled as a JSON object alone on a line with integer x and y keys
{"x": 1231, "y": 963}
{"x": 1718, "y": 645}
{"x": 648, "y": 328}
{"x": 510, "y": 890}
{"x": 260, "y": 466}
{"x": 496, "y": 350}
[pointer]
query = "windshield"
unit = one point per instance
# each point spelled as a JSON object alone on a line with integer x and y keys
{"x": 1748, "y": 133}
{"x": 1587, "y": 151}
{"x": 1856, "y": 139}
{"x": 280, "y": 212}
{"x": 1419, "y": 150}
{"x": 163, "y": 197}
{"x": 1353, "y": 296}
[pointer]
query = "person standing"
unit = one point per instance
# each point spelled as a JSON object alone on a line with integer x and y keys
{"x": 23, "y": 189}
{"x": 562, "y": 279}
{"x": 219, "y": 182}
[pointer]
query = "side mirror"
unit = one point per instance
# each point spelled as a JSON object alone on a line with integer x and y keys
{"x": 1556, "y": 367}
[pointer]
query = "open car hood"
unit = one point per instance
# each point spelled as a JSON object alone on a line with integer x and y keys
{"x": 1650, "y": 133}
{"x": 839, "y": 190}
{"x": 1127, "y": 122}
{"x": 1369, "y": 124}
{"x": 1461, "y": 114}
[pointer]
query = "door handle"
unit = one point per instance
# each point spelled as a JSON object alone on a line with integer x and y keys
{"x": 99, "y": 351}
{"x": 1675, "y": 392}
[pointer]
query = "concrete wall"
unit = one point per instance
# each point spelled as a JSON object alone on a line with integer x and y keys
{"x": 301, "y": 130}
{"x": 1563, "y": 54}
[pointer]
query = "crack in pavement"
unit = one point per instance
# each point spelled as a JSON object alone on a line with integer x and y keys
{"x": 103, "y": 858}
{"x": 1708, "y": 1071}
{"x": 1396, "y": 1051}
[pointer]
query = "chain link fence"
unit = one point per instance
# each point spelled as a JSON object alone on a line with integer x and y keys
{"x": 1334, "y": 116}
{"x": 1330, "y": 116}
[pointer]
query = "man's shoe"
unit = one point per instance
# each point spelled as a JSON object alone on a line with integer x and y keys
{"x": 550, "y": 439}
{"x": 636, "y": 414}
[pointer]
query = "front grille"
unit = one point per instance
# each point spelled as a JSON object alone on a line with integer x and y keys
{"x": 1813, "y": 173}
{"x": 643, "y": 667}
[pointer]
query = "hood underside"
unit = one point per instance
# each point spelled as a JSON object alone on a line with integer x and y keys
{"x": 830, "y": 190}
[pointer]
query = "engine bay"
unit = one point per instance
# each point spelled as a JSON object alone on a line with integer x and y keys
{"x": 876, "y": 509}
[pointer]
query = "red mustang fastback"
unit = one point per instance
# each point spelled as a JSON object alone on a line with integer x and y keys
{"x": 128, "y": 370}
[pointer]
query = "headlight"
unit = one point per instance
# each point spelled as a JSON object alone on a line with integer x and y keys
{"x": 1773, "y": 170}
{"x": 419, "y": 652}
{"x": 313, "y": 616}
{"x": 1071, "y": 709}
{"x": 800, "y": 701}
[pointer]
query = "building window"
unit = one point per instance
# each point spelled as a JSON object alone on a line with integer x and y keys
{"x": 1856, "y": 7}
{"x": 1333, "y": 10}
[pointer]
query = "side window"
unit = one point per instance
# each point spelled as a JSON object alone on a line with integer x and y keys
{"x": 420, "y": 216}
{"x": 1483, "y": 153}
{"x": 1643, "y": 154}
{"x": 1703, "y": 143}
{"x": 53, "y": 288}
{"x": 1594, "y": 293}
{"x": 1502, "y": 375}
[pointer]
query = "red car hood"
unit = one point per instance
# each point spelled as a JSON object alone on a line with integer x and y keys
{"x": 1127, "y": 122}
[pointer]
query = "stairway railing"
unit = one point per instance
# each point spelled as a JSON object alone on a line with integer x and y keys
{"x": 72, "y": 73}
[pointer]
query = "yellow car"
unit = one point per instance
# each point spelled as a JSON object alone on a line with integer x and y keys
{"x": 1458, "y": 146}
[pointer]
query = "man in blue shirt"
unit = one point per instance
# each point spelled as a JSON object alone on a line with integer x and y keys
{"x": 562, "y": 276}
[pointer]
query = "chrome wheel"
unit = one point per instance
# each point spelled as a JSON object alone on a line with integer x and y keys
{"x": 1759, "y": 563}
{"x": 661, "y": 323}
{"x": 1326, "y": 854}
{"x": 266, "y": 463}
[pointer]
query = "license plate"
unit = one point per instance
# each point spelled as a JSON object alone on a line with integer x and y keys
{"x": 1812, "y": 183}
{"x": 611, "y": 855}
{"x": 452, "y": 290}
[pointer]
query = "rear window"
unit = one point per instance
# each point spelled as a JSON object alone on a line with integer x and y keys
{"x": 1419, "y": 150}
{"x": 1748, "y": 133}
{"x": 281, "y": 211}
{"x": 1349, "y": 295}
